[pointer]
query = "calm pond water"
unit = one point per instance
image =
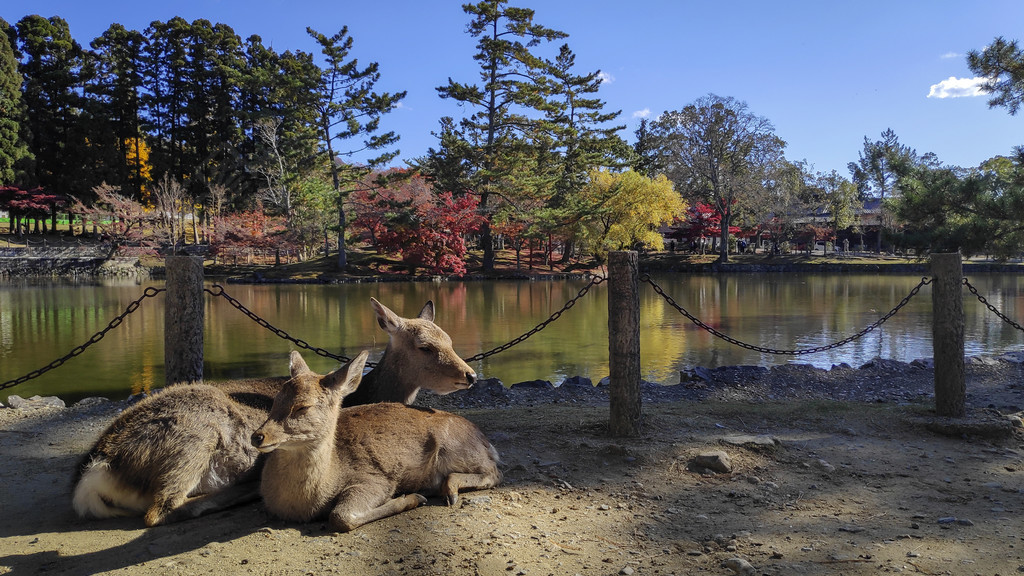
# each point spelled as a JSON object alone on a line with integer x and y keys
{"x": 43, "y": 321}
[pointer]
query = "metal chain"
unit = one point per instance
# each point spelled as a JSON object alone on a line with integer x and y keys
{"x": 218, "y": 290}
{"x": 646, "y": 278}
{"x": 148, "y": 293}
{"x": 991, "y": 308}
{"x": 583, "y": 291}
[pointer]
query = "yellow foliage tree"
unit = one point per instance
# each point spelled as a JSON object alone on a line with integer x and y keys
{"x": 136, "y": 158}
{"x": 627, "y": 209}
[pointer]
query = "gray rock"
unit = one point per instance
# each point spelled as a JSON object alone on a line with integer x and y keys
{"x": 20, "y": 403}
{"x": 717, "y": 461}
{"x": 759, "y": 442}
{"x": 576, "y": 382}
{"x": 92, "y": 401}
{"x": 824, "y": 466}
{"x": 697, "y": 373}
{"x": 740, "y": 567}
{"x": 533, "y": 385}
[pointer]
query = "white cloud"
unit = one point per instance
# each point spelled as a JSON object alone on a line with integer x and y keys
{"x": 605, "y": 77}
{"x": 954, "y": 87}
{"x": 642, "y": 113}
{"x": 950, "y": 55}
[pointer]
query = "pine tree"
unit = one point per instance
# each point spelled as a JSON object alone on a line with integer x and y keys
{"x": 14, "y": 152}
{"x": 349, "y": 108}
{"x": 53, "y": 70}
{"x": 506, "y": 100}
{"x": 117, "y": 56}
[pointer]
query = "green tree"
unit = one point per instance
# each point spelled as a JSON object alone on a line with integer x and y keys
{"x": 52, "y": 69}
{"x": 838, "y": 196}
{"x": 876, "y": 171}
{"x": 645, "y": 152}
{"x": 1001, "y": 63}
{"x": 582, "y": 138}
{"x": 348, "y": 108}
{"x": 783, "y": 201}
{"x": 14, "y": 152}
{"x": 505, "y": 100}
{"x": 977, "y": 211}
{"x": 117, "y": 88}
{"x": 164, "y": 65}
{"x": 716, "y": 151}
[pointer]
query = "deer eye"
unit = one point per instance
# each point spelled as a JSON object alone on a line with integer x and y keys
{"x": 427, "y": 349}
{"x": 299, "y": 411}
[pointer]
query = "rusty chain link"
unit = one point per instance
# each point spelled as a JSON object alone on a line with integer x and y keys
{"x": 991, "y": 308}
{"x": 218, "y": 290}
{"x": 646, "y": 278}
{"x": 572, "y": 302}
{"x": 148, "y": 293}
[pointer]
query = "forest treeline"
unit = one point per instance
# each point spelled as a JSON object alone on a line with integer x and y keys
{"x": 186, "y": 122}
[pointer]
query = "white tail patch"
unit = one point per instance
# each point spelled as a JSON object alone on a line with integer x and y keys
{"x": 99, "y": 494}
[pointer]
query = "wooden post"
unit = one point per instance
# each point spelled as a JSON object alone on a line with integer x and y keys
{"x": 183, "y": 320}
{"x": 948, "y": 334}
{"x": 624, "y": 344}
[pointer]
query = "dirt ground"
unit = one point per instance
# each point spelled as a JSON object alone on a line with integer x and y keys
{"x": 832, "y": 472}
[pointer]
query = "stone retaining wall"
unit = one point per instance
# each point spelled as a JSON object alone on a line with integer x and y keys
{"x": 64, "y": 266}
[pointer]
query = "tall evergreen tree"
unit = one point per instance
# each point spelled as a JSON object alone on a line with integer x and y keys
{"x": 583, "y": 141}
{"x": 580, "y": 125}
{"x": 1001, "y": 63}
{"x": 506, "y": 99}
{"x": 349, "y": 108}
{"x": 165, "y": 61}
{"x": 117, "y": 87}
{"x": 14, "y": 152}
{"x": 52, "y": 69}
{"x": 645, "y": 152}
{"x": 875, "y": 173}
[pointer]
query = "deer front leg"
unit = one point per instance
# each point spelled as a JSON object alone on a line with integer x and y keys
{"x": 363, "y": 504}
{"x": 229, "y": 497}
{"x": 459, "y": 481}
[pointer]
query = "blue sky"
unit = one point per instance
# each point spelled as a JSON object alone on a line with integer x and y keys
{"x": 825, "y": 73}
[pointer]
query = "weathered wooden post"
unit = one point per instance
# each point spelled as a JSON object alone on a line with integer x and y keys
{"x": 183, "y": 320}
{"x": 948, "y": 334}
{"x": 624, "y": 344}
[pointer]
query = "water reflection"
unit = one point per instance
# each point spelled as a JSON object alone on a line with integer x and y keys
{"x": 41, "y": 321}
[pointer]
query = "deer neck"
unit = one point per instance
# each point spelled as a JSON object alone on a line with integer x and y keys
{"x": 301, "y": 483}
{"x": 385, "y": 383}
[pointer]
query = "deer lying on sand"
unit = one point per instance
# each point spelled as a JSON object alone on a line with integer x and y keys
{"x": 186, "y": 450}
{"x": 348, "y": 464}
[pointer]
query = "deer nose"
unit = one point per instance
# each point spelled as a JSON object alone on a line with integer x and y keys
{"x": 471, "y": 378}
{"x": 257, "y": 439}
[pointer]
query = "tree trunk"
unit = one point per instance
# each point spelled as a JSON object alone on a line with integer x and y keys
{"x": 723, "y": 248}
{"x": 342, "y": 255}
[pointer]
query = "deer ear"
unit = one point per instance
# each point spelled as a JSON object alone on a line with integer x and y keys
{"x": 388, "y": 320}
{"x": 428, "y": 311}
{"x": 296, "y": 364}
{"x": 346, "y": 379}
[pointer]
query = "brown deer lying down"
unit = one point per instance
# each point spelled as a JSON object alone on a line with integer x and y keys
{"x": 186, "y": 450}
{"x": 348, "y": 464}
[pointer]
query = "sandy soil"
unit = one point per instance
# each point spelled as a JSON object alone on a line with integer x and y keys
{"x": 856, "y": 477}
